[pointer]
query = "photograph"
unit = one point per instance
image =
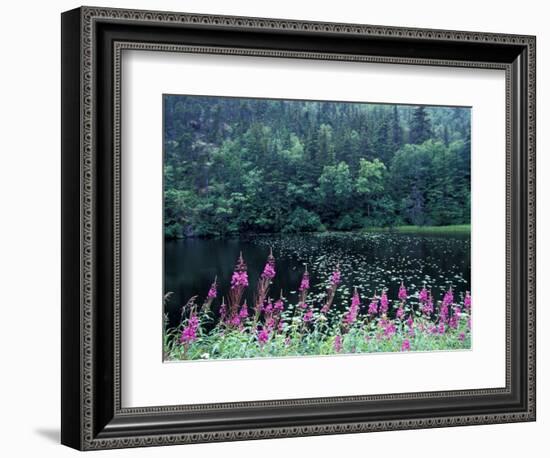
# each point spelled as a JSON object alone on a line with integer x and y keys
{"x": 273, "y": 223}
{"x": 300, "y": 228}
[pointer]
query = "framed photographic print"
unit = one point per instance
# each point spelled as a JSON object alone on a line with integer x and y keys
{"x": 278, "y": 228}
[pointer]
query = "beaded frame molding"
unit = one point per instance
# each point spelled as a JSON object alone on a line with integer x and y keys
{"x": 93, "y": 40}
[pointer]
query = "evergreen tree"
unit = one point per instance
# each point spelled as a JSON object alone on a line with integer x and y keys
{"x": 325, "y": 145}
{"x": 396, "y": 131}
{"x": 446, "y": 135}
{"x": 383, "y": 145}
{"x": 421, "y": 129}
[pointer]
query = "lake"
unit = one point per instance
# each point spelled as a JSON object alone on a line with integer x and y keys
{"x": 368, "y": 261}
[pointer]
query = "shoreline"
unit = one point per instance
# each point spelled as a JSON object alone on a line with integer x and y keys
{"x": 450, "y": 229}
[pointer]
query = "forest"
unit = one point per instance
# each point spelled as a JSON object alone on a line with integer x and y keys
{"x": 241, "y": 165}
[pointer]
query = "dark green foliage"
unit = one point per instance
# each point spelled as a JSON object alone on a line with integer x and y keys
{"x": 301, "y": 220}
{"x": 429, "y": 183}
{"x": 256, "y": 165}
{"x": 421, "y": 129}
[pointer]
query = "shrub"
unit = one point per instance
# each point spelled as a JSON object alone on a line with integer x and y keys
{"x": 173, "y": 231}
{"x": 302, "y": 220}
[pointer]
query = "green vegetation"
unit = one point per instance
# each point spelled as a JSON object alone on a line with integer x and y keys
{"x": 416, "y": 321}
{"x": 456, "y": 228}
{"x": 235, "y": 165}
{"x": 316, "y": 340}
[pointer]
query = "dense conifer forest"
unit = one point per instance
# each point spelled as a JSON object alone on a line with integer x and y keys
{"x": 240, "y": 165}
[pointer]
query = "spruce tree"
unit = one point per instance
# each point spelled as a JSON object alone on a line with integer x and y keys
{"x": 397, "y": 133}
{"x": 421, "y": 129}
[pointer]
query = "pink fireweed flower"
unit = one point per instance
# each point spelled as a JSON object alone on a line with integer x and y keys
{"x": 428, "y": 306}
{"x": 244, "y": 311}
{"x": 263, "y": 284}
{"x": 213, "y": 292}
{"x": 308, "y": 316}
{"x": 235, "y": 321}
{"x": 304, "y": 285}
{"x": 223, "y": 310}
{"x": 373, "y": 307}
{"x": 461, "y": 337}
{"x": 402, "y": 295}
{"x": 351, "y": 315}
{"x": 210, "y": 296}
{"x": 400, "y": 313}
{"x": 194, "y": 321}
{"x": 453, "y": 322}
{"x": 448, "y": 298}
{"x": 279, "y": 306}
{"x": 269, "y": 270}
{"x": 239, "y": 279}
{"x": 467, "y": 301}
{"x": 336, "y": 277}
{"x": 338, "y": 344}
{"x": 445, "y": 303}
{"x": 423, "y": 295}
{"x": 390, "y": 330}
{"x": 189, "y": 333}
{"x": 355, "y": 300}
{"x": 410, "y": 325}
{"x": 240, "y": 276}
{"x": 270, "y": 324}
{"x": 263, "y": 336}
{"x": 410, "y": 321}
{"x": 406, "y": 345}
{"x": 444, "y": 313}
{"x": 384, "y": 303}
{"x": 441, "y": 328}
{"x": 268, "y": 308}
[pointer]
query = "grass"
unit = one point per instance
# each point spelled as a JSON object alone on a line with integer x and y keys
{"x": 316, "y": 340}
{"x": 452, "y": 229}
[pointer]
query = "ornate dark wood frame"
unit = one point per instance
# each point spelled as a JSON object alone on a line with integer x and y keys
{"x": 92, "y": 42}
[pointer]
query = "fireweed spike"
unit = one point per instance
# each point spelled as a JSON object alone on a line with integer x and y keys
{"x": 384, "y": 302}
{"x": 267, "y": 275}
{"x": 239, "y": 282}
{"x": 276, "y": 333}
{"x": 212, "y": 294}
{"x": 351, "y": 315}
{"x": 304, "y": 287}
{"x": 335, "y": 280}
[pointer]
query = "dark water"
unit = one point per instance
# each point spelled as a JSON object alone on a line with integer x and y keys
{"x": 369, "y": 262}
